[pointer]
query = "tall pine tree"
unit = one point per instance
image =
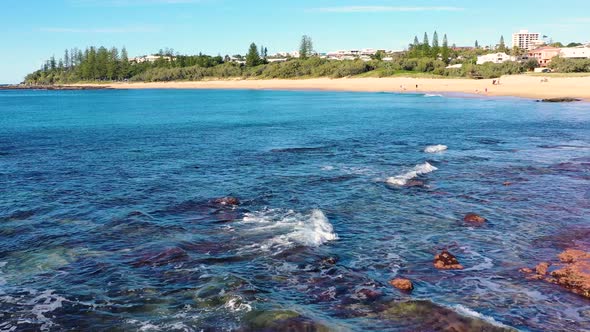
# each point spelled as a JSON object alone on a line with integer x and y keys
{"x": 253, "y": 57}
{"x": 124, "y": 69}
{"x": 305, "y": 47}
{"x": 445, "y": 51}
{"x": 502, "y": 45}
{"x": 435, "y": 46}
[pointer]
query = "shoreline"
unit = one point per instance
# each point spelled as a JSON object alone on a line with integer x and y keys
{"x": 522, "y": 86}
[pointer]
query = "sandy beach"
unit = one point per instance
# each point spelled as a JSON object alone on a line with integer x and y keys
{"x": 517, "y": 86}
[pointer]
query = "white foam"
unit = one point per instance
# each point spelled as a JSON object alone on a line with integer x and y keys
{"x": 430, "y": 95}
{"x": 312, "y": 229}
{"x": 44, "y": 303}
{"x": 487, "y": 263}
{"x": 235, "y": 304}
{"x": 418, "y": 170}
{"x": 474, "y": 314}
{"x": 2, "y": 280}
{"x": 436, "y": 148}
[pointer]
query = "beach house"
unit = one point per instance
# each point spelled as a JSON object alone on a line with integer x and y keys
{"x": 499, "y": 57}
{"x": 544, "y": 54}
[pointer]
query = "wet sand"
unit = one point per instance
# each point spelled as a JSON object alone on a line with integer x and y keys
{"x": 516, "y": 86}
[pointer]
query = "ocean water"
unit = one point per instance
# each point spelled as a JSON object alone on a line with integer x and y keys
{"x": 108, "y": 219}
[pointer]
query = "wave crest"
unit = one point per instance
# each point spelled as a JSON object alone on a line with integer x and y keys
{"x": 418, "y": 170}
{"x": 436, "y": 148}
{"x": 312, "y": 229}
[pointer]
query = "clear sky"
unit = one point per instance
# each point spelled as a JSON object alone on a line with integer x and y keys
{"x": 33, "y": 30}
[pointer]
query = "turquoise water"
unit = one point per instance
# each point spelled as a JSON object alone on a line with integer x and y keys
{"x": 108, "y": 219}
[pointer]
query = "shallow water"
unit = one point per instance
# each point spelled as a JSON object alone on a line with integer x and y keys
{"x": 107, "y": 219}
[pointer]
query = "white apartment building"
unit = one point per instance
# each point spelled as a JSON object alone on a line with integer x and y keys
{"x": 525, "y": 40}
{"x": 500, "y": 57}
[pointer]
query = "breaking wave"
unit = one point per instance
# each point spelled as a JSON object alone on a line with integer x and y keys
{"x": 402, "y": 180}
{"x": 436, "y": 148}
{"x": 474, "y": 314}
{"x": 279, "y": 229}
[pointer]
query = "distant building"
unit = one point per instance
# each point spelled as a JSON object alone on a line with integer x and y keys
{"x": 525, "y": 40}
{"x": 575, "y": 53}
{"x": 364, "y": 54}
{"x": 276, "y": 59}
{"x": 151, "y": 58}
{"x": 462, "y": 48}
{"x": 456, "y": 66}
{"x": 537, "y": 44}
{"x": 543, "y": 55}
{"x": 500, "y": 57}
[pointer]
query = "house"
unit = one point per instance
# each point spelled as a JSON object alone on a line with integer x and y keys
{"x": 575, "y": 53}
{"x": 544, "y": 55}
{"x": 499, "y": 57}
{"x": 456, "y": 66}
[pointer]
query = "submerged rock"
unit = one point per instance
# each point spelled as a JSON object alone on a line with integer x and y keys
{"x": 402, "y": 284}
{"x": 168, "y": 256}
{"x": 415, "y": 183}
{"x": 446, "y": 261}
{"x": 328, "y": 261}
{"x": 427, "y": 316}
{"x": 474, "y": 218}
{"x": 368, "y": 294}
{"x": 280, "y": 320}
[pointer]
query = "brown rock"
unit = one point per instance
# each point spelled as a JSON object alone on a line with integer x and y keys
{"x": 531, "y": 274}
{"x": 402, "y": 284}
{"x": 227, "y": 201}
{"x": 329, "y": 261}
{"x": 507, "y": 183}
{"x": 446, "y": 261}
{"x": 575, "y": 275}
{"x": 542, "y": 268}
{"x": 573, "y": 255}
{"x": 474, "y": 218}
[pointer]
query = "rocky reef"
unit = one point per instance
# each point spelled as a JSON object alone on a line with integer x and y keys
{"x": 571, "y": 272}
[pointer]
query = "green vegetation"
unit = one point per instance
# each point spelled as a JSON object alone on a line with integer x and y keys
{"x": 430, "y": 59}
{"x": 570, "y": 65}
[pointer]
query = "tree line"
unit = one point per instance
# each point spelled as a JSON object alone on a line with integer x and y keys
{"x": 430, "y": 56}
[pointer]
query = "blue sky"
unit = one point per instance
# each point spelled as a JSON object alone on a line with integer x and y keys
{"x": 33, "y": 30}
